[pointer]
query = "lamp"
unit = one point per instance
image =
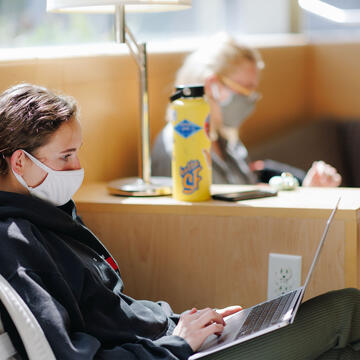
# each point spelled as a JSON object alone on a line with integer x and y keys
{"x": 331, "y": 12}
{"x": 145, "y": 185}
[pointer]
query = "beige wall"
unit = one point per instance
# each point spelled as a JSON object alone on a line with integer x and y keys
{"x": 299, "y": 83}
{"x": 336, "y": 75}
{"x": 283, "y": 86}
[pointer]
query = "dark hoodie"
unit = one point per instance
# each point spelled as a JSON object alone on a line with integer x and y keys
{"x": 73, "y": 287}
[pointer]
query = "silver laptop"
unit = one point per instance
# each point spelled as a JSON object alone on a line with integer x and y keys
{"x": 264, "y": 317}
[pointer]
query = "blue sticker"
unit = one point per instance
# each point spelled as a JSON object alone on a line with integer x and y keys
{"x": 187, "y": 128}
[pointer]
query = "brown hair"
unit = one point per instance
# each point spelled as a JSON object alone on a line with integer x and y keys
{"x": 29, "y": 115}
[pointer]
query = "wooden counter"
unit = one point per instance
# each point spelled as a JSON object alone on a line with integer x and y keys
{"x": 215, "y": 253}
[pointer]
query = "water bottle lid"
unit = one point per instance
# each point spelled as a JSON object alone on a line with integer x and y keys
{"x": 186, "y": 91}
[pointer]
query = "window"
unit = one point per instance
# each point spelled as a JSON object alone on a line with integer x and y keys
{"x": 26, "y": 23}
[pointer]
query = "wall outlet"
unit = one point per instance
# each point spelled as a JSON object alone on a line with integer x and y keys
{"x": 284, "y": 274}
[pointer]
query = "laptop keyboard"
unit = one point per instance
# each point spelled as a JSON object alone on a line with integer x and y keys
{"x": 266, "y": 314}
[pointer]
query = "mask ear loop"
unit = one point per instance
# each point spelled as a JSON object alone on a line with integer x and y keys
{"x": 37, "y": 162}
{"x": 217, "y": 97}
{"x": 215, "y": 91}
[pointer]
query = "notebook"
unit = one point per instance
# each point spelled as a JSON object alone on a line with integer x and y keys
{"x": 264, "y": 317}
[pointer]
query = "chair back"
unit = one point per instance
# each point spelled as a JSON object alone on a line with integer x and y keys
{"x": 7, "y": 350}
{"x": 32, "y": 335}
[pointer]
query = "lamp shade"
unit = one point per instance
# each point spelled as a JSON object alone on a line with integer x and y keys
{"x": 331, "y": 12}
{"x": 108, "y": 6}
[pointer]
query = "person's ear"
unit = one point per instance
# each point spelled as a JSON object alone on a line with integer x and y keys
{"x": 211, "y": 83}
{"x": 17, "y": 161}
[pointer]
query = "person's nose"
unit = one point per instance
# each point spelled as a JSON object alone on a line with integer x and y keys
{"x": 74, "y": 164}
{"x": 77, "y": 164}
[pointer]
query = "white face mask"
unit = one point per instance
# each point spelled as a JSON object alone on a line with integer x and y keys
{"x": 58, "y": 186}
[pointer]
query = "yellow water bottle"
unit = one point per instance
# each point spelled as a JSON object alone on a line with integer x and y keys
{"x": 191, "y": 160}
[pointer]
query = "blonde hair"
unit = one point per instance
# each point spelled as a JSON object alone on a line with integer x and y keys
{"x": 220, "y": 55}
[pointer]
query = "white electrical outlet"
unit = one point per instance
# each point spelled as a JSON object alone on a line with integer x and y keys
{"x": 284, "y": 274}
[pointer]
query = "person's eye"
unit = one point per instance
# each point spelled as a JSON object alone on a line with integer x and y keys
{"x": 65, "y": 157}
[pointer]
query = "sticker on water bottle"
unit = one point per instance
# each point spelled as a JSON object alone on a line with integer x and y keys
{"x": 190, "y": 176}
{"x": 187, "y": 128}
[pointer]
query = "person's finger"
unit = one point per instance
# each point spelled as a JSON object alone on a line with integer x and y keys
{"x": 330, "y": 177}
{"x": 210, "y": 316}
{"x": 320, "y": 166}
{"x": 338, "y": 179}
{"x": 229, "y": 310}
{"x": 213, "y": 328}
{"x": 334, "y": 180}
{"x": 195, "y": 327}
{"x": 330, "y": 170}
{"x": 195, "y": 313}
{"x": 202, "y": 311}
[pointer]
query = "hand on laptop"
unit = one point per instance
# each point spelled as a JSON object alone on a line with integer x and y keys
{"x": 196, "y": 325}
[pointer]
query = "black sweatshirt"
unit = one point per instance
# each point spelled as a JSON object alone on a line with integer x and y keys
{"x": 73, "y": 287}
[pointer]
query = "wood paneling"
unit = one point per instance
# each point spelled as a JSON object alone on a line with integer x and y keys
{"x": 216, "y": 253}
{"x": 300, "y": 83}
{"x": 336, "y": 78}
{"x": 283, "y": 86}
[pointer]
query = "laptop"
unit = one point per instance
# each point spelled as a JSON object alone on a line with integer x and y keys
{"x": 264, "y": 317}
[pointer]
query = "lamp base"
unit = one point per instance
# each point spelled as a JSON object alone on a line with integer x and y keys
{"x": 133, "y": 186}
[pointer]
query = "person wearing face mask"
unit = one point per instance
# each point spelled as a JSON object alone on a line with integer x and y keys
{"x": 72, "y": 284}
{"x": 58, "y": 186}
{"x": 230, "y": 73}
{"x": 63, "y": 272}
